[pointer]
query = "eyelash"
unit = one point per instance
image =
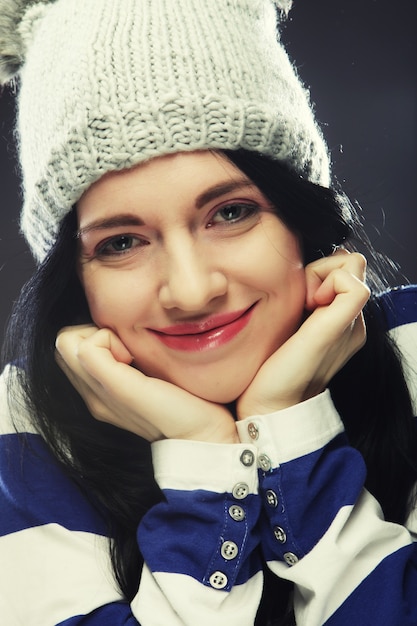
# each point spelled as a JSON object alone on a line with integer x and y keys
{"x": 105, "y": 248}
{"x": 249, "y": 211}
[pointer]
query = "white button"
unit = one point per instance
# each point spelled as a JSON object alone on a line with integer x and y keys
{"x": 264, "y": 462}
{"x": 280, "y": 534}
{"x": 290, "y": 558}
{"x": 247, "y": 458}
{"x": 218, "y": 580}
{"x": 253, "y": 430}
{"x": 237, "y": 513}
{"x": 240, "y": 491}
{"x": 271, "y": 498}
{"x": 229, "y": 550}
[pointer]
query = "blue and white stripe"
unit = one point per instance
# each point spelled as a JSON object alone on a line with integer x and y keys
{"x": 290, "y": 494}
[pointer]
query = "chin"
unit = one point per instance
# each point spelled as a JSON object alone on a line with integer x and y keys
{"x": 219, "y": 394}
{"x": 208, "y": 387}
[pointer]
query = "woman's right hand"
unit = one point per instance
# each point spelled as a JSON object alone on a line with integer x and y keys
{"x": 99, "y": 367}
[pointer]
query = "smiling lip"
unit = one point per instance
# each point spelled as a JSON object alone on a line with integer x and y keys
{"x": 208, "y": 334}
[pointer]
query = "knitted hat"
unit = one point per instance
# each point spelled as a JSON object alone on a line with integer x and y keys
{"x": 107, "y": 84}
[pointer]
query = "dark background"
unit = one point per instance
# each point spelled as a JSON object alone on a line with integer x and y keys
{"x": 359, "y": 59}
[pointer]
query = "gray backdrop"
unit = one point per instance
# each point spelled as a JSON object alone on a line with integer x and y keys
{"x": 359, "y": 59}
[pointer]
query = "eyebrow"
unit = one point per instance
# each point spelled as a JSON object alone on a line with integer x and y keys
{"x": 125, "y": 219}
{"x": 221, "y": 189}
{"x": 129, "y": 219}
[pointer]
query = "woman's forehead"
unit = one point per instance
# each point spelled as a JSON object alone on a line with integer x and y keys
{"x": 198, "y": 176}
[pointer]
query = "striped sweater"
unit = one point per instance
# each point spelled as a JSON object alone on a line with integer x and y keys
{"x": 289, "y": 495}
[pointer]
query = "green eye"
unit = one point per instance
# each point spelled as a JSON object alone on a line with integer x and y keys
{"x": 122, "y": 244}
{"x": 232, "y": 213}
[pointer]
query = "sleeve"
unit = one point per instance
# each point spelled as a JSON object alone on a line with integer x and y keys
{"x": 54, "y": 552}
{"x": 321, "y": 529}
{"x": 200, "y": 544}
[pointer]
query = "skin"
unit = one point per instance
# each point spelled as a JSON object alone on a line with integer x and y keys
{"x": 180, "y": 257}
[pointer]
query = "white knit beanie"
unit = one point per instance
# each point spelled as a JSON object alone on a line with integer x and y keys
{"x": 107, "y": 84}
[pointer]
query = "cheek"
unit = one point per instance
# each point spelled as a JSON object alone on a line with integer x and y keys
{"x": 293, "y": 286}
{"x": 283, "y": 271}
{"x": 284, "y": 280}
{"x": 100, "y": 308}
{"x": 113, "y": 301}
{"x": 288, "y": 297}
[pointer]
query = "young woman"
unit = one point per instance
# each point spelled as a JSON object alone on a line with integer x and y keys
{"x": 205, "y": 414}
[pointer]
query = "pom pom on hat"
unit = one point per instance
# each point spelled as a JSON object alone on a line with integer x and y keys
{"x": 284, "y": 5}
{"x": 14, "y": 34}
{"x": 108, "y": 84}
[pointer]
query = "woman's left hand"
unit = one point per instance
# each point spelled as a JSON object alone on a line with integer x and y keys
{"x": 332, "y": 333}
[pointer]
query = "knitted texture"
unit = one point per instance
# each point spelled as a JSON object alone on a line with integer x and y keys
{"x": 107, "y": 84}
{"x": 12, "y": 41}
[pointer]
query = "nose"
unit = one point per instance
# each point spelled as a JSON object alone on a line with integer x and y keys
{"x": 191, "y": 277}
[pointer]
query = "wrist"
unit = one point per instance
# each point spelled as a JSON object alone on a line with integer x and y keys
{"x": 214, "y": 435}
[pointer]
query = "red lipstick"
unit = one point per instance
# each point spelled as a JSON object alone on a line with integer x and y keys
{"x": 207, "y": 334}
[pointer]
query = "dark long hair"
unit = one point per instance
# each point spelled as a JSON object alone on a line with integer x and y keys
{"x": 114, "y": 467}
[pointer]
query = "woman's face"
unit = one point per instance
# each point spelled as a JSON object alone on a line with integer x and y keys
{"x": 185, "y": 260}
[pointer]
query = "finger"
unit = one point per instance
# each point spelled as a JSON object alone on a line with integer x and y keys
{"x": 67, "y": 341}
{"x": 319, "y": 291}
{"x": 341, "y": 286}
{"x": 81, "y": 330}
{"x": 114, "y": 380}
{"x": 78, "y": 348}
{"x": 70, "y": 340}
{"x": 76, "y": 340}
{"x": 116, "y": 392}
{"x": 100, "y": 352}
{"x": 147, "y": 402}
{"x": 352, "y": 262}
{"x": 337, "y": 304}
{"x": 92, "y": 360}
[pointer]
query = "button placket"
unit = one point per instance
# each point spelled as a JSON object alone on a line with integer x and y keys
{"x": 223, "y": 567}
{"x": 253, "y": 430}
{"x": 218, "y": 580}
{"x": 264, "y": 462}
{"x": 229, "y": 550}
{"x": 285, "y": 548}
{"x": 237, "y": 513}
{"x": 240, "y": 491}
{"x": 247, "y": 458}
{"x": 269, "y": 482}
{"x": 290, "y": 558}
{"x": 280, "y": 534}
{"x": 271, "y": 498}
